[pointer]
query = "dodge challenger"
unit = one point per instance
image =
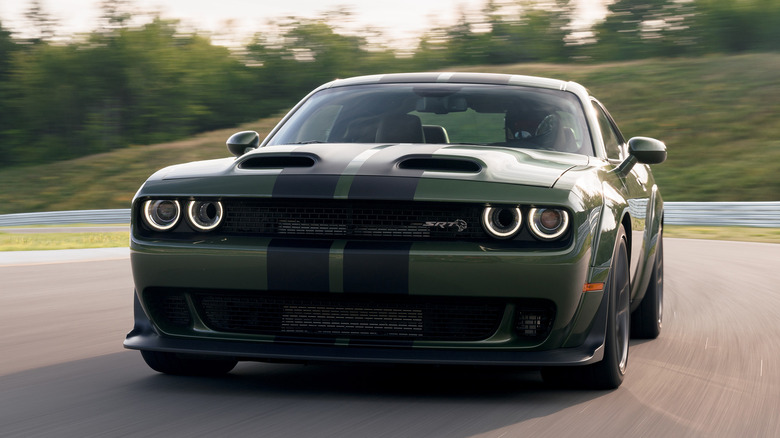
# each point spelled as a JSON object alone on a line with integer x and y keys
{"x": 421, "y": 218}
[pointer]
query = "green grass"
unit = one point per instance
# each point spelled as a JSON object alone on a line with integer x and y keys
{"x": 47, "y": 241}
{"x": 741, "y": 234}
{"x": 718, "y": 116}
{"x": 107, "y": 180}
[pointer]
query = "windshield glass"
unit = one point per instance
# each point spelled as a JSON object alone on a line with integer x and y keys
{"x": 496, "y": 115}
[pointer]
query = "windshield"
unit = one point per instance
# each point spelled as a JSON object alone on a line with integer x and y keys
{"x": 496, "y": 115}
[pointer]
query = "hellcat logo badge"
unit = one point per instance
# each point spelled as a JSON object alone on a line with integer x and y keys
{"x": 460, "y": 224}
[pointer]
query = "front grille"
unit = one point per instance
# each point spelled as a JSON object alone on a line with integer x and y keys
{"x": 353, "y": 219}
{"x": 371, "y": 318}
{"x": 169, "y": 310}
{"x": 534, "y": 323}
{"x": 350, "y": 317}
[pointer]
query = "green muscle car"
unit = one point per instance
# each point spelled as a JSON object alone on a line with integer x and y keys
{"x": 425, "y": 218}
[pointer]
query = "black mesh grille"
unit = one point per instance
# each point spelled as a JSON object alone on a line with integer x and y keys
{"x": 373, "y": 318}
{"x": 353, "y": 219}
{"x": 169, "y": 310}
{"x": 351, "y": 317}
{"x": 534, "y": 323}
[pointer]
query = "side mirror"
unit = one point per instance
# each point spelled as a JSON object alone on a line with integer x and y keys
{"x": 647, "y": 150}
{"x": 239, "y": 143}
{"x": 643, "y": 150}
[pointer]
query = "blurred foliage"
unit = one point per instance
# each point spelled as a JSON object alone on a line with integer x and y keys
{"x": 721, "y": 130}
{"x": 717, "y": 114}
{"x": 127, "y": 83}
{"x": 636, "y": 29}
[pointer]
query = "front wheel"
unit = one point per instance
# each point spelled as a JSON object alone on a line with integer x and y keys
{"x": 185, "y": 365}
{"x": 647, "y": 318}
{"x": 609, "y": 372}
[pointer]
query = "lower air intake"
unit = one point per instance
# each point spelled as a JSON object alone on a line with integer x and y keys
{"x": 534, "y": 323}
{"x": 367, "y": 318}
{"x": 375, "y": 317}
{"x": 169, "y": 310}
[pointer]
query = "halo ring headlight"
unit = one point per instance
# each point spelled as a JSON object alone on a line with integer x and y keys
{"x": 161, "y": 214}
{"x": 502, "y": 222}
{"x": 548, "y": 223}
{"x": 205, "y": 215}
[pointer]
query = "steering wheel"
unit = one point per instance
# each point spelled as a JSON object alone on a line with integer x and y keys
{"x": 547, "y": 131}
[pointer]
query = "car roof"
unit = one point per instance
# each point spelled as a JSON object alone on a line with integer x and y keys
{"x": 461, "y": 78}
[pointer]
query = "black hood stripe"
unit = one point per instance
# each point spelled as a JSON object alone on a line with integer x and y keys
{"x": 318, "y": 181}
{"x": 305, "y": 186}
{"x": 380, "y": 178}
{"x": 384, "y": 188}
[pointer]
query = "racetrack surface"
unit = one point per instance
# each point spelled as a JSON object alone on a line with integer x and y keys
{"x": 712, "y": 372}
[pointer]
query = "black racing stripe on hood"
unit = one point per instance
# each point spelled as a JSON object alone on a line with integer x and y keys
{"x": 318, "y": 181}
{"x": 298, "y": 265}
{"x": 371, "y": 182}
{"x": 384, "y": 162}
{"x": 382, "y": 187}
{"x": 296, "y": 185}
{"x": 376, "y": 267}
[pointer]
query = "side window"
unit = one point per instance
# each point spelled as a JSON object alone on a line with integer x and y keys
{"x": 611, "y": 138}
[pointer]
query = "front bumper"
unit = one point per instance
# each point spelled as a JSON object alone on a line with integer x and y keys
{"x": 145, "y": 336}
{"x": 325, "y": 268}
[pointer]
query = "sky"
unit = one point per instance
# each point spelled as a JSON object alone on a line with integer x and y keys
{"x": 402, "y": 21}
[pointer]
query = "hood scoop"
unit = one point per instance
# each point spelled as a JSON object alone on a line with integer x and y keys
{"x": 441, "y": 165}
{"x": 276, "y": 162}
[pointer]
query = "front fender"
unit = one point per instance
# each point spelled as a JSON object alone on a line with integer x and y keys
{"x": 652, "y": 232}
{"x": 613, "y": 210}
{"x": 592, "y": 310}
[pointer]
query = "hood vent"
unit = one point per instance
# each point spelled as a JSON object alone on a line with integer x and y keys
{"x": 276, "y": 162}
{"x": 441, "y": 165}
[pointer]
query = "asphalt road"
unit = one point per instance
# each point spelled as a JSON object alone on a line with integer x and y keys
{"x": 713, "y": 372}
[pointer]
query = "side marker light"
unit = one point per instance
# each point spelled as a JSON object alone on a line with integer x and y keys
{"x": 593, "y": 287}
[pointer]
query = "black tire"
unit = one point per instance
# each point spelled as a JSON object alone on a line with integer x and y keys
{"x": 183, "y": 365}
{"x": 647, "y": 319}
{"x": 609, "y": 372}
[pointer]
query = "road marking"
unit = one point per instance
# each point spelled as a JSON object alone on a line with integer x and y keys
{"x": 761, "y": 373}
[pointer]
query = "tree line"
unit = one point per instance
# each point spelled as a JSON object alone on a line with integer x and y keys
{"x": 124, "y": 83}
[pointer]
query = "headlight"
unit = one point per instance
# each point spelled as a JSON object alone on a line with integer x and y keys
{"x": 548, "y": 223}
{"x": 204, "y": 215}
{"x": 502, "y": 222}
{"x": 161, "y": 214}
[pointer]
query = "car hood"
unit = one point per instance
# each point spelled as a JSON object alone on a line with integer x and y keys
{"x": 475, "y": 163}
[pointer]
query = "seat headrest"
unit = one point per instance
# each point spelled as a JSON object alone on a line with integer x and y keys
{"x": 400, "y": 128}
